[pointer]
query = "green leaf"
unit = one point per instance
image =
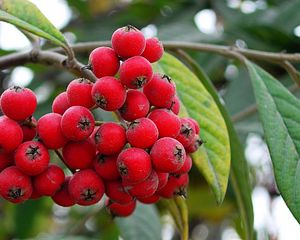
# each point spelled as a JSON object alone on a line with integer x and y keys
{"x": 26, "y": 16}
{"x": 279, "y": 112}
{"x": 213, "y": 158}
{"x": 143, "y": 224}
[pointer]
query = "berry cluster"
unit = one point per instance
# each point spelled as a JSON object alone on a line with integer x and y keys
{"x": 144, "y": 157}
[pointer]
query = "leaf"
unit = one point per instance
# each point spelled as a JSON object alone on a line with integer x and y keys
{"x": 279, "y": 112}
{"x": 143, "y": 224}
{"x": 26, "y": 16}
{"x": 213, "y": 158}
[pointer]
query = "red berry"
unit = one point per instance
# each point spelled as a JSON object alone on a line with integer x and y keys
{"x": 62, "y": 196}
{"x": 106, "y": 167}
{"x": 110, "y": 138}
{"x": 167, "y": 122}
{"x": 86, "y": 188}
{"x": 6, "y": 159}
{"x": 18, "y": 103}
{"x": 79, "y": 155}
{"x": 32, "y": 158}
{"x": 50, "y": 132}
{"x": 104, "y": 62}
{"x": 135, "y": 72}
{"x": 35, "y": 194}
{"x": 196, "y": 143}
{"x": 153, "y": 50}
{"x": 115, "y": 191}
{"x": 120, "y": 210}
{"x": 11, "y": 134}
{"x": 145, "y": 188}
{"x": 60, "y": 103}
{"x": 108, "y": 93}
{"x": 196, "y": 125}
{"x": 149, "y": 200}
{"x": 79, "y": 93}
{"x": 134, "y": 165}
{"x": 15, "y": 186}
{"x": 167, "y": 155}
{"x": 49, "y": 182}
{"x": 186, "y": 167}
{"x": 187, "y": 132}
{"x": 128, "y": 41}
{"x": 136, "y": 106}
{"x": 29, "y": 131}
{"x": 142, "y": 133}
{"x": 160, "y": 91}
{"x": 77, "y": 123}
{"x": 174, "y": 105}
{"x": 176, "y": 185}
{"x": 162, "y": 179}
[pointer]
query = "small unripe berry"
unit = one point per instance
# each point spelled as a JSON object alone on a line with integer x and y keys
{"x": 120, "y": 210}
{"x": 115, "y": 191}
{"x": 187, "y": 132}
{"x": 106, "y": 167}
{"x": 104, "y": 62}
{"x": 62, "y": 196}
{"x": 153, "y": 50}
{"x": 60, "y": 103}
{"x": 29, "y": 131}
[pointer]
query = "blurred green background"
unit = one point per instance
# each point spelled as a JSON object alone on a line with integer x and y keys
{"x": 268, "y": 25}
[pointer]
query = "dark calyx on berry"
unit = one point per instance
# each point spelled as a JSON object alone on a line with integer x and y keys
{"x": 178, "y": 153}
{"x": 33, "y": 152}
{"x": 15, "y": 193}
{"x": 84, "y": 123}
{"x": 88, "y": 194}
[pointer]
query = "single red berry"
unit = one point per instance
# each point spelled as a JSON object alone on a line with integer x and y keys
{"x": 145, "y": 188}
{"x": 142, "y": 133}
{"x": 176, "y": 185}
{"x": 136, "y": 106}
{"x": 153, "y": 50}
{"x": 120, "y": 210}
{"x": 196, "y": 125}
{"x": 86, "y": 187}
{"x": 110, "y": 138}
{"x": 50, "y": 132}
{"x": 167, "y": 155}
{"x": 6, "y": 159}
{"x": 160, "y": 91}
{"x": 135, "y": 72}
{"x": 60, "y": 103}
{"x": 167, "y": 123}
{"x": 77, "y": 123}
{"x": 162, "y": 179}
{"x": 32, "y": 158}
{"x": 106, "y": 167}
{"x": 115, "y": 191}
{"x": 134, "y": 165}
{"x": 187, "y": 132}
{"x": 79, "y": 155}
{"x": 29, "y": 129}
{"x": 104, "y": 62}
{"x": 186, "y": 167}
{"x": 174, "y": 105}
{"x": 11, "y": 134}
{"x": 49, "y": 182}
{"x": 62, "y": 196}
{"x": 18, "y": 103}
{"x": 15, "y": 186}
{"x": 196, "y": 143}
{"x": 128, "y": 41}
{"x": 79, "y": 93}
{"x": 149, "y": 200}
{"x": 108, "y": 93}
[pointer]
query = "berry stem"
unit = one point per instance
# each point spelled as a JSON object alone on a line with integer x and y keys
{"x": 182, "y": 207}
{"x": 98, "y": 123}
{"x": 60, "y": 156}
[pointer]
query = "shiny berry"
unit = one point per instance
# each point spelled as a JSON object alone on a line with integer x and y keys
{"x": 106, "y": 167}
{"x": 174, "y": 105}
{"x": 176, "y": 185}
{"x": 153, "y": 50}
{"x": 186, "y": 167}
{"x": 149, "y": 200}
{"x": 120, "y": 210}
{"x": 194, "y": 146}
{"x": 187, "y": 132}
{"x": 115, "y": 191}
{"x": 29, "y": 129}
{"x": 62, "y": 196}
{"x": 60, "y": 103}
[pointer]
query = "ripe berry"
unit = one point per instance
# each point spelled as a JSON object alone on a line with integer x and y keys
{"x": 120, "y": 210}
{"x": 128, "y": 41}
{"x": 167, "y": 123}
{"x": 32, "y": 158}
{"x": 15, "y": 186}
{"x": 142, "y": 133}
{"x": 115, "y": 191}
{"x": 162, "y": 179}
{"x": 135, "y": 72}
{"x": 145, "y": 188}
{"x": 110, "y": 138}
{"x": 136, "y": 106}
{"x": 134, "y": 165}
{"x": 86, "y": 188}
{"x": 176, "y": 185}
{"x": 79, "y": 93}
{"x": 167, "y": 155}
{"x": 160, "y": 91}
{"x": 77, "y": 123}
{"x": 174, "y": 105}
{"x": 153, "y": 50}
{"x": 35, "y": 194}
{"x": 60, "y": 103}
{"x": 150, "y": 200}
{"x": 186, "y": 167}
{"x": 187, "y": 132}
{"x": 11, "y": 134}
{"x": 62, "y": 196}
{"x": 196, "y": 125}
{"x": 106, "y": 167}
{"x": 104, "y": 62}
{"x": 50, "y": 132}
{"x": 108, "y": 93}
{"x": 29, "y": 131}
{"x": 79, "y": 155}
{"x": 18, "y": 103}
{"x": 196, "y": 143}
{"x": 6, "y": 159}
{"x": 48, "y": 182}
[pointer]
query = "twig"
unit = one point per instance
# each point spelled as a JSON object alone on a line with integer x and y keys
{"x": 60, "y": 156}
